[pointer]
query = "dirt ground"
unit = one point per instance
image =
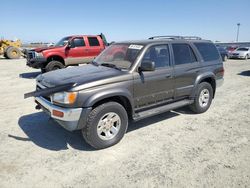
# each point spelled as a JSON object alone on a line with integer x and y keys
{"x": 175, "y": 149}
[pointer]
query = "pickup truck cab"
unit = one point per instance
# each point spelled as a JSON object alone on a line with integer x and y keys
{"x": 70, "y": 50}
{"x": 145, "y": 78}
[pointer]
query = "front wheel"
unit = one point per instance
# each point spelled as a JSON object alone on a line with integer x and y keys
{"x": 247, "y": 57}
{"x": 203, "y": 98}
{"x": 53, "y": 65}
{"x": 106, "y": 125}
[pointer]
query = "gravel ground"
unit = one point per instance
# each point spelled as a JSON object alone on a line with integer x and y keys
{"x": 175, "y": 149}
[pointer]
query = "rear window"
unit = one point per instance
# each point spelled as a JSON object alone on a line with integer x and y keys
{"x": 208, "y": 51}
{"x": 93, "y": 41}
{"x": 183, "y": 54}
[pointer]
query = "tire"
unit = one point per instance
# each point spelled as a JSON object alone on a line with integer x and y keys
{"x": 97, "y": 119}
{"x": 247, "y": 57}
{"x": 203, "y": 98}
{"x": 5, "y": 52}
{"x": 13, "y": 53}
{"x": 53, "y": 65}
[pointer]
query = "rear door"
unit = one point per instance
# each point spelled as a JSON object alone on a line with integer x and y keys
{"x": 77, "y": 52}
{"x": 95, "y": 46}
{"x": 186, "y": 69}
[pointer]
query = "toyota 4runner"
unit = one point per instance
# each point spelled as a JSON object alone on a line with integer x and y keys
{"x": 130, "y": 81}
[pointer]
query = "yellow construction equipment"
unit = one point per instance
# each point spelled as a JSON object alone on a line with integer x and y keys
{"x": 11, "y": 49}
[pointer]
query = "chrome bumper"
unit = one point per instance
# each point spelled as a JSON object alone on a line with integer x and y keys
{"x": 70, "y": 118}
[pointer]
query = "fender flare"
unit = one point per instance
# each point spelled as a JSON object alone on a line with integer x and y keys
{"x": 107, "y": 94}
{"x": 199, "y": 79}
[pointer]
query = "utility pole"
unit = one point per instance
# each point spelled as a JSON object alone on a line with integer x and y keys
{"x": 238, "y": 30}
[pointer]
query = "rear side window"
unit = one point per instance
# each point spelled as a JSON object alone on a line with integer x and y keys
{"x": 93, "y": 41}
{"x": 183, "y": 54}
{"x": 77, "y": 42}
{"x": 208, "y": 51}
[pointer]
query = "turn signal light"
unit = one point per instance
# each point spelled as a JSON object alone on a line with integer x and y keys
{"x": 57, "y": 113}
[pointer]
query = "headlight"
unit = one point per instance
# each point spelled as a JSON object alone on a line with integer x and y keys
{"x": 39, "y": 54}
{"x": 64, "y": 97}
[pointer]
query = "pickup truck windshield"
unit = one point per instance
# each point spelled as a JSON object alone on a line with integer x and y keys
{"x": 121, "y": 56}
{"x": 63, "y": 41}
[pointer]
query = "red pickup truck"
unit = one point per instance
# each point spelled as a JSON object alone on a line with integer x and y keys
{"x": 70, "y": 50}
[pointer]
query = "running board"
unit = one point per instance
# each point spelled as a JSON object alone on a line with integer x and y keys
{"x": 158, "y": 110}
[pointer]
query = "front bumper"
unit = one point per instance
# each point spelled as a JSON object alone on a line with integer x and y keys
{"x": 236, "y": 56}
{"x": 73, "y": 118}
{"x": 37, "y": 62}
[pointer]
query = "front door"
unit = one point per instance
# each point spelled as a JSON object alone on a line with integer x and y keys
{"x": 77, "y": 53}
{"x": 154, "y": 87}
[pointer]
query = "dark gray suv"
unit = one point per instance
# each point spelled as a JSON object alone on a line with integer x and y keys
{"x": 131, "y": 80}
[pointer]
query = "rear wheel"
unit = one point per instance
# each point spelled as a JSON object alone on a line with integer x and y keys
{"x": 106, "y": 125}
{"x": 53, "y": 65}
{"x": 203, "y": 98}
{"x": 13, "y": 53}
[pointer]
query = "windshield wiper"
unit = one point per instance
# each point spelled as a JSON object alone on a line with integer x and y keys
{"x": 110, "y": 65}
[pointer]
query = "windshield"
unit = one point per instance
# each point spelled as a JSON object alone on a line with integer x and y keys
{"x": 121, "y": 56}
{"x": 63, "y": 41}
{"x": 242, "y": 49}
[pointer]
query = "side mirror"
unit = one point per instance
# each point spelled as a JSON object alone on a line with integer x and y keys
{"x": 147, "y": 66}
{"x": 70, "y": 44}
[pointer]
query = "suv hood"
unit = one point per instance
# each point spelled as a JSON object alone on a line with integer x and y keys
{"x": 79, "y": 75}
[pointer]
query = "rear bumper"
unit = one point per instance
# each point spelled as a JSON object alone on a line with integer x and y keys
{"x": 36, "y": 62}
{"x": 73, "y": 118}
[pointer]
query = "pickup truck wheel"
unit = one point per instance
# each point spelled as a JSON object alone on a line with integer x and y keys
{"x": 203, "y": 98}
{"x": 54, "y": 65}
{"x": 106, "y": 125}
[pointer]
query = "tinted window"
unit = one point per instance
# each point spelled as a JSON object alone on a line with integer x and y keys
{"x": 78, "y": 42}
{"x": 183, "y": 54}
{"x": 208, "y": 51}
{"x": 159, "y": 55}
{"x": 93, "y": 41}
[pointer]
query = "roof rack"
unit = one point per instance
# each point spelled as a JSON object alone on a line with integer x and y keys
{"x": 173, "y": 37}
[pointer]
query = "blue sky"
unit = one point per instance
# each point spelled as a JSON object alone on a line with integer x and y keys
{"x": 50, "y": 20}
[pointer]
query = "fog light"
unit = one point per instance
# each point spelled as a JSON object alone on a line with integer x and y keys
{"x": 57, "y": 113}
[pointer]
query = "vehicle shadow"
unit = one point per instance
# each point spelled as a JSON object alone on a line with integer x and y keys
{"x": 245, "y": 73}
{"x": 29, "y": 75}
{"x": 48, "y": 134}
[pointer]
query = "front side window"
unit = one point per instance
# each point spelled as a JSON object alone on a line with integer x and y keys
{"x": 62, "y": 42}
{"x": 159, "y": 55}
{"x": 120, "y": 56}
{"x": 93, "y": 41}
{"x": 183, "y": 54}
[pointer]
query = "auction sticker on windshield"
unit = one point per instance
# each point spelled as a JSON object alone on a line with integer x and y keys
{"x": 136, "y": 47}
